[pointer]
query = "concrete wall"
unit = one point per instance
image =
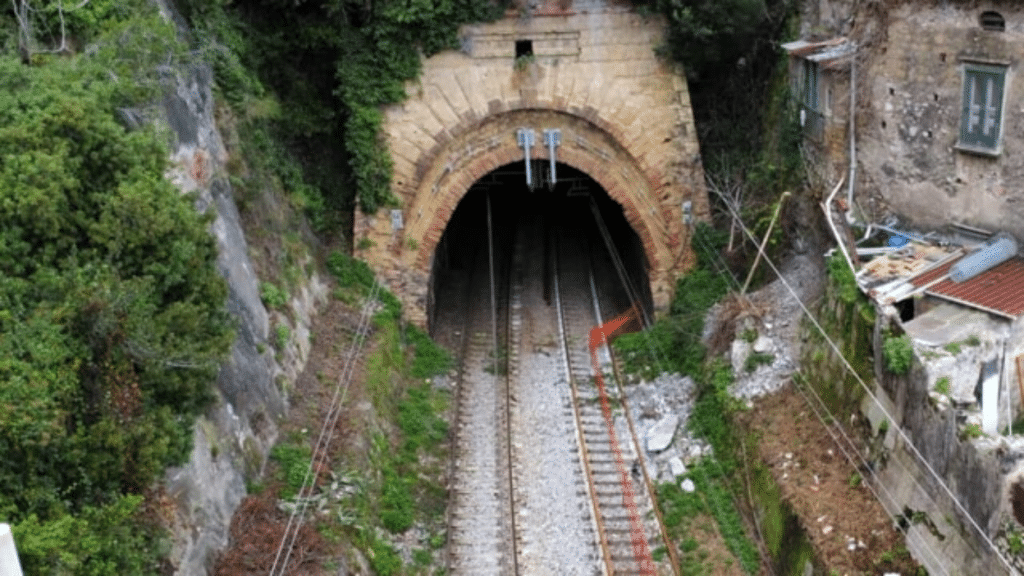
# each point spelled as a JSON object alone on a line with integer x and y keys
{"x": 625, "y": 118}
{"x": 926, "y": 436}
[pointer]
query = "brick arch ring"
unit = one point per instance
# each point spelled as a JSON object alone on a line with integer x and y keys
{"x": 451, "y": 169}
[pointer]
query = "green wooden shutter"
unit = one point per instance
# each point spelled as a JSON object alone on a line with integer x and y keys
{"x": 982, "y": 112}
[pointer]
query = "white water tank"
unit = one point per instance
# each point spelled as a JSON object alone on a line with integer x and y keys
{"x": 9, "y": 564}
{"x": 997, "y": 250}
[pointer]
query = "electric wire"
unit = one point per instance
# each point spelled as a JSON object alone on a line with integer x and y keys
{"x": 906, "y": 439}
{"x": 326, "y": 435}
{"x": 633, "y": 293}
{"x": 853, "y": 449}
{"x": 723, "y": 269}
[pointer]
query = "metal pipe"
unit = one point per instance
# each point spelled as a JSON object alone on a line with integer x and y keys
{"x": 827, "y": 207}
{"x": 853, "y": 126}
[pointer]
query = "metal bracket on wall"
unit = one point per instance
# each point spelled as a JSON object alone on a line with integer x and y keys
{"x": 525, "y": 138}
{"x": 552, "y": 138}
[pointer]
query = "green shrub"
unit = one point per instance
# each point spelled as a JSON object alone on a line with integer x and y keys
{"x": 99, "y": 541}
{"x": 971, "y": 431}
{"x": 898, "y": 353}
{"x": 273, "y": 296}
{"x": 112, "y": 316}
{"x": 384, "y": 559}
{"x": 350, "y": 272}
{"x": 282, "y": 334}
{"x": 953, "y": 348}
{"x": 1014, "y": 542}
{"x": 841, "y": 275}
{"x": 942, "y": 385}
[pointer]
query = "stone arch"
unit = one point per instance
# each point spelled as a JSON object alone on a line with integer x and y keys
{"x": 625, "y": 119}
{"x": 491, "y": 143}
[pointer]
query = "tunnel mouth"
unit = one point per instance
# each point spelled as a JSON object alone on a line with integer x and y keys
{"x": 573, "y": 203}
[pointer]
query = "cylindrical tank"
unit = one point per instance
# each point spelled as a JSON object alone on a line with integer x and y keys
{"x": 994, "y": 252}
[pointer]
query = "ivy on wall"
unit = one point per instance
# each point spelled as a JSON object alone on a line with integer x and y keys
{"x": 334, "y": 65}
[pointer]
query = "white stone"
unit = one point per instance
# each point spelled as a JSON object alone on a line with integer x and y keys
{"x": 762, "y": 344}
{"x": 687, "y": 485}
{"x": 676, "y": 466}
{"x": 738, "y": 354}
{"x": 660, "y": 435}
{"x": 695, "y": 453}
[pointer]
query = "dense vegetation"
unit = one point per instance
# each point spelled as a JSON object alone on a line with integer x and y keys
{"x": 331, "y": 65}
{"x": 112, "y": 321}
{"x": 673, "y": 343}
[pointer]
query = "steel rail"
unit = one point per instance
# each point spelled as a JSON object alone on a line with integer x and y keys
{"x": 581, "y": 439}
{"x": 617, "y": 372}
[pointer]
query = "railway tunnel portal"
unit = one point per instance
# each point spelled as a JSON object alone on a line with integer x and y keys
{"x": 585, "y": 71}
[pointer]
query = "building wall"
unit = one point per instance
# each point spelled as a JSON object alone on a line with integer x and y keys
{"x": 624, "y": 114}
{"x": 909, "y": 121}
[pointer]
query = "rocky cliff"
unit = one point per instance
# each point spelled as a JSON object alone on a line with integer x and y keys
{"x": 232, "y": 440}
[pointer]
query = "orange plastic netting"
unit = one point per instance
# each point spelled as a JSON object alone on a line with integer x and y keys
{"x": 600, "y": 335}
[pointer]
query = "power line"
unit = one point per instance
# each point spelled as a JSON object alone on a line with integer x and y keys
{"x": 799, "y": 388}
{"x": 906, "y": 439}
{"x": 297, "y": 516}
{"x": 722, "y": 268}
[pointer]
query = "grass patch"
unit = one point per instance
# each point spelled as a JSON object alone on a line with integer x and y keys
{"x": 429, "y": 359}
{"x": 758, "y": 359}
{"x": 713, "y": 498}
{"x": 942, "y": 385}
{"x": 293, "y": 461}
{"x": 673, "y": 343}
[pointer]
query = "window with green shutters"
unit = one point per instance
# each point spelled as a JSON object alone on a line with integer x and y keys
{"x": 810, "y": 85}
{"x": 981, "y": 118}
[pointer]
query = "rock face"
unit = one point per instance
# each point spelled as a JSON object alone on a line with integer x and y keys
{"x": 232, "y": 441}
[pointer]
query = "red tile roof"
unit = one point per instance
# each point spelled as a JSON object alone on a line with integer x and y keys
{"x": 999, "y": 290}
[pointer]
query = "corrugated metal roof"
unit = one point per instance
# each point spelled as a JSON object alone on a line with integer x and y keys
{"x": 831, "y": 53}
{"x": 999, "y": 290}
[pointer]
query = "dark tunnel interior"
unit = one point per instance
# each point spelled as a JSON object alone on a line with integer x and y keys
{"x": 575, "y": 204}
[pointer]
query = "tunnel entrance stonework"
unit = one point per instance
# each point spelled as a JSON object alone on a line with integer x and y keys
{"x": 624, "y": 116}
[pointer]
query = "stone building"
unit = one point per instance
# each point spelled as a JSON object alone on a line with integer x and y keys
{"x": 939, "y": 128}
{"x": 917, "y": 105}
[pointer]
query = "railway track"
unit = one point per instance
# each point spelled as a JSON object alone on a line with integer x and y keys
{"x": 554, "y": 519}
{"x": 541, "y": 485}
{"x": 480, "y": 521}
{"x": 628, "y": 529}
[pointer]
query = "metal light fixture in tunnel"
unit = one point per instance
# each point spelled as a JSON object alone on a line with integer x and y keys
{"x": 524, "y": 137}
{"x": 553, "y": 138}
